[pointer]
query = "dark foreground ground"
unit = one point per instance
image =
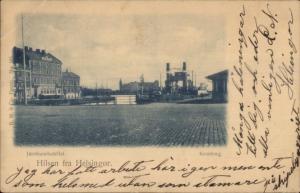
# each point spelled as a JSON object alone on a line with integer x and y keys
{"x": 134, "y": 125}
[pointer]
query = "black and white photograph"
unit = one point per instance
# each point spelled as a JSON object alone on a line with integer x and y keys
{"x": 120, "y": 80}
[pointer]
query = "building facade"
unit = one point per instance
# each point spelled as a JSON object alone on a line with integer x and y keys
{"x": 219, "y": 86}
{"x": 142, "y": 87}
{"x": 71, "y": 85}
{"x": 43, "y": 74}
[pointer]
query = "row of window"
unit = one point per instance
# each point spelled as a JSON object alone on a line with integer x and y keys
{"x": 49, "y": 69}
{"x": 58, "y": 91}
{"x": 71, "y": 89}
{"x": 71, "y": 82}
{"x": 45, "y": 80}
{"x": 45, "y": 68}
{"x": 20, "y": 65}
{"x": 50, "y": 91}
{"x": 20, "y": 75}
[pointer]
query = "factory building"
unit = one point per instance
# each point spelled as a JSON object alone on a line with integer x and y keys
{"x": 219, "y": 86}
{"x": 71, "y": 85}
{"x": 142, "y": 87}
{"x": 178, "y": 82}
{"x": 43, "y": 74}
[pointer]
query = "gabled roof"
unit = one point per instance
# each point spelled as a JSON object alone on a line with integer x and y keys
{"x": 33, "y": 55}
{"x": 219, "y": 75}
{"x": 69, "y": 75}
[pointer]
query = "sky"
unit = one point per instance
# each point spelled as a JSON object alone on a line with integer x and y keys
{"x": 103, "y": 49}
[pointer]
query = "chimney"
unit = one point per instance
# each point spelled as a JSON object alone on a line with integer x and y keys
{"x": 184, "y": 66}
{"x": 26, "y": 48}
{"x": 43, "y": 52}
{"x": 120, "y": 84}
{"x": 168, "y": 67}
{"x": 38, "y": 50}
{"x": 30, "y": 49}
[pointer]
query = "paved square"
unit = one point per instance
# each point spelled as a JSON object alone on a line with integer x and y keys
{"x": 157, "y": 124}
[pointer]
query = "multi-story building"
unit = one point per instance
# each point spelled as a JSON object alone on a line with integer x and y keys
{"x": 148, "y": 88}
{"x": 43, "y": 74}
{"x": 71, "y": 85}
{"x": 44, "y": 77}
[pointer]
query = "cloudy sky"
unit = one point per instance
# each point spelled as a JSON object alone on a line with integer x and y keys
{"x": 105, "y": 48}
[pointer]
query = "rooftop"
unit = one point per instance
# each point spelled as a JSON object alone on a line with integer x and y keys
{"x": 37, "y": 54}
{"x": 68, "y": 74}
{"x": 219, "y": 75}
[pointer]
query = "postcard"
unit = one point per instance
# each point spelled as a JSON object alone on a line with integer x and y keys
{"x": 150, "y": 96}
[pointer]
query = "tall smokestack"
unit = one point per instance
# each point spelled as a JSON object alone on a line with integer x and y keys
{"x": 183, "y": 66}
{"x": 168, "y": 67}
{"x": 120, "y": 84}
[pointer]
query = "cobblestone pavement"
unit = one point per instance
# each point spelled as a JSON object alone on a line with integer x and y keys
{"x": 125, "y": 125}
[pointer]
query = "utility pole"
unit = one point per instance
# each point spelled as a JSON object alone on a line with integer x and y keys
{"x": 142, "y": 83}
{"x": 96, "y": 89}
{"x": 137, "y": 87}
{"x": 195, "y": 80}
{"x": 160, "y": 81}
{"x": 192, "y": 78}
{"x": 24, "y": 65}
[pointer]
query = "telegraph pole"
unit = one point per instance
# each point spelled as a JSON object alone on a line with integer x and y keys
{"x": 96, "y": 89}
{"x": 160, "y": 81}
{"x": 24, "y": 65}
{"x": 195, "y": 80}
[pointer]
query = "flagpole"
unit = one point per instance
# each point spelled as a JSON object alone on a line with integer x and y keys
{"x": 24, "y": 65}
